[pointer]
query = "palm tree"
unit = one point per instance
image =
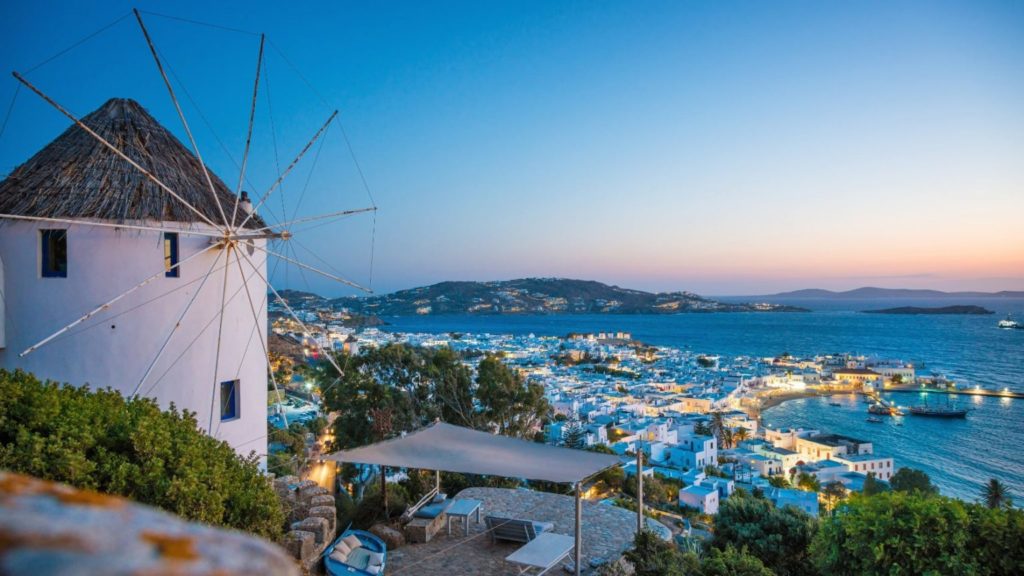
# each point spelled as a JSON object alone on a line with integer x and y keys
{"x": 995, "y": 495}
{"x": 833, "y": 492}
{"x": 718, "y": 428}
{"x": 728, "y": 440}
{"x": 740, "y": 434}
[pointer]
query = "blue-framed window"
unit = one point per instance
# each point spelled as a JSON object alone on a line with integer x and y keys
{"x": 171, "y": 254}
{"x": 229, "y": 407}
{"x": 54, "y": 244}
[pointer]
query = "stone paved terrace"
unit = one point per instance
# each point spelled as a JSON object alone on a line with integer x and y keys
{"x": 607, "y": 532}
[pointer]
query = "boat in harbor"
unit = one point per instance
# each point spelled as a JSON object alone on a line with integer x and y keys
{"x": 874, "y": 420}
{"x": 937, "y": 411}
{"x": 883, "y": 410}
{"x": 834, "y": 404}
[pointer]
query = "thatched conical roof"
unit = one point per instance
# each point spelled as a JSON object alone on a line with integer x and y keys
{"x": 75, "y": 176}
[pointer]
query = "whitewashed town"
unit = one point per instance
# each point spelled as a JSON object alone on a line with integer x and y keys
{"x": 693, "y": 416}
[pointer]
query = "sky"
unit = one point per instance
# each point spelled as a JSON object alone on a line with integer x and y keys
{"x": 724, "y": 148}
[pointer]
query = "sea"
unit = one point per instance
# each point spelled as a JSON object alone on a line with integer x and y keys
{"x": 959, "y": 455}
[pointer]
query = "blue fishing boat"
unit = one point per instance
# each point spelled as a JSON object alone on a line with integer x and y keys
{"x": 356, "y": 552}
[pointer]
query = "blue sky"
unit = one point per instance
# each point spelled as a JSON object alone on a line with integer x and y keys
{"x": 719, "y": 147}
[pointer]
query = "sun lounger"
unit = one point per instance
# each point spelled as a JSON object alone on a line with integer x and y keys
{"x": 515, "y": 530}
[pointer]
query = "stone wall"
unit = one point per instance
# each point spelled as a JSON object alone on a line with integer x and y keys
{"x": 312, "y": 516}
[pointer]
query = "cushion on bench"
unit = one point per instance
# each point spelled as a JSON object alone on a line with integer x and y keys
{"x": 432, "y": 510}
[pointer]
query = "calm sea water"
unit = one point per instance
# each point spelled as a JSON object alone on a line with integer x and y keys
{"x": 959, "y": 455}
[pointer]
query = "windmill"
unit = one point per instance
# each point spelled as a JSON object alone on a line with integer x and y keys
{"x": 126, "y": 262}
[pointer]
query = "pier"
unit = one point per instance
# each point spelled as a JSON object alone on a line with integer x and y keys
{"x": 960, "y": 392}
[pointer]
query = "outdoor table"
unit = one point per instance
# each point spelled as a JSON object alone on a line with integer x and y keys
{"x": 463, "y": 508}
{"x": 543, "y": 552}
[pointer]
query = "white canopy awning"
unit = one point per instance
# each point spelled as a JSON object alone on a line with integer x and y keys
{"x": 450, "y": 448}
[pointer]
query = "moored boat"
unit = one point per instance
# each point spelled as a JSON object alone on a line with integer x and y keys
{"x": 939, "y": 411}
{"x": 882, "y": 410}
{"x": 1009, "y": 323}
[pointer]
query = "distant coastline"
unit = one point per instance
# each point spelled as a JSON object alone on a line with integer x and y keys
{"x": 916, "y": 310}
{"x": 870, "y": 292}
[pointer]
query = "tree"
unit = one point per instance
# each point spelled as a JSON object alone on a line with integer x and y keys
{"x": 779, "y": 537}
{"x": 701, "y": 429}
{"x": 779, "y": 482}
{"x": 921, "y": 534}
{"x": 652, "y": 556}
{"x": 808, "y": 482}
{"x": 98, "y": 440}
{"x": 732, "y": 562}
{"x": 873, "y": 486}
{"x": 995, "y": 495}
{"x": 912, "y": 480}
{"x": 740, "y": 435}
{"x": 575, "y": 435}
{"x": 509, "y": 406}
{"x": 833, "y": 492}
{"x": 718, "y": 428}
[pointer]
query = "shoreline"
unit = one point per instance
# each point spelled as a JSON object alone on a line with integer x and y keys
{"x": 774, "y": 400}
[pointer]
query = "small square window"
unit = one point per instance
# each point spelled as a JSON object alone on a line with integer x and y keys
{"x": 54, "y": 244}
{"x": 229, "y": 400}
{"x": 171, "y": 254}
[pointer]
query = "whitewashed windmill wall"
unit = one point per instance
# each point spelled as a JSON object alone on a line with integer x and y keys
{"x": 116, "y": 347}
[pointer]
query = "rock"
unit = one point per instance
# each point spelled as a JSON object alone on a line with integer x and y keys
{"x": 327, "y": 513}
{"x": 282, "y": 486}
{"x": 48, "y": 528}
{"x": 317, "y": 526}
{"x": 300, "y": 544}
{"x": 307, "y": 493}
{"x": 322, "y": 500}
{"x": 392, "y": 537}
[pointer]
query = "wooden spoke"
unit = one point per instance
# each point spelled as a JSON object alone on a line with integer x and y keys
{"x": 106, "y": 305}
{"x": 262, "y": 334}
{"x": 338, "y": 214}
{"x": 289, "y": 169}
{"x": 329, "y": 357}
{"x": 177, "y": 106}
{"x": 317, "y": 270}
{"x": 114, "y": 149}
{"x": 191, "y": 343}
{"x": 174, "y": 328}
{"x": 248, "y": 136}
{"x": 220, "y": 335}
{"x": 183, "y": 232}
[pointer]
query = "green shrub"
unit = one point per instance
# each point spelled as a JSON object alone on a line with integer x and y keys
{"x": 100, "y": 441}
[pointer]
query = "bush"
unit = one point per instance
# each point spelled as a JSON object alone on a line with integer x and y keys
{"x": 779, "y": 537}
{"x": 920, "y": 533}
{"x": 98, "y": 440}
{"x": 370, "y": 509}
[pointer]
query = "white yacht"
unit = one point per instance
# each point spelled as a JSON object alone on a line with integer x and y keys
{"x": 1008, "y": 323}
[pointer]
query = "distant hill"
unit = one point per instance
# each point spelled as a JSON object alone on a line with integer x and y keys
{"x": 915, "y": 310}
{"x": 540, "y": 296}
{"x": 887, "y": 293}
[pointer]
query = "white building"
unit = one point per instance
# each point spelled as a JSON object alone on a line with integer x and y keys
{"x": 108, "y": 228}
{"x": 881, "y": 466}
{"x": 703, "y": 498}
{"x": 692, "y": 452}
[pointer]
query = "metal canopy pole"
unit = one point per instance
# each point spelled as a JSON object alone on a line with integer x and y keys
{"x": 639, "y": 488}
{"x": 578, "y": 555}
